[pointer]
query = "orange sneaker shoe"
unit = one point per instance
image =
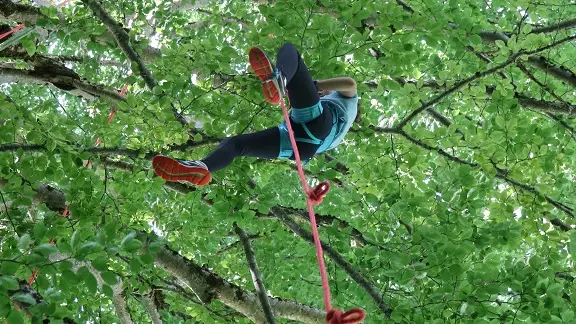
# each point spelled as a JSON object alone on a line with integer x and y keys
{"x": 194, "y": 172}
{"x": 273, "y": 82}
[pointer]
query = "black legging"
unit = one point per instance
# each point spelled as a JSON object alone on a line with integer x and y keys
{"x": 266, "y": 144}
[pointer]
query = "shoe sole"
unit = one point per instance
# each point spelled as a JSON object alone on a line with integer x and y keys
{"x": 262, "y": 66}
{"x": 172, "y": 170}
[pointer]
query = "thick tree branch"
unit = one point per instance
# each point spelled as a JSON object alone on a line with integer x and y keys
{"x": 566, "y": 24}
{"x": 337, "y": 258}
{"x": 208, "y": 286}
{"x": 561, "y": 73}
{"x": 151, "y": 308}
{"x": 65, "y": 83}
{"x": 560, "y": 224}
{"x": 10, "y": 11}
{"x": 256, "y": 275}
{"x": 550, "y": 107}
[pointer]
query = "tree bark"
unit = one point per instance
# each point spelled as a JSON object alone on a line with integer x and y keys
{"x": 208, "y": 286}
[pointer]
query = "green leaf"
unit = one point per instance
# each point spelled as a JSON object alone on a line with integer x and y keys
{"x": 572, "y": 245}
{"x": 109, "y": 277}
{"x": 16, "y": 37}
{"x": 74, "y": 239}
{"x": 24, "y": 241}
{"x": 147, "y": 258}
{"x": 90, "y": 280}
{"x": 100, "y": 263}
{"x": 39, "y": 231}
{"x": 9, "y": 268}
{"x": 554, "y": 289}
{"x": 107, "y": 290}
{"x": 85, "y": 249}
{"x": 468, "y": 180}
{"x": 133, "y": 245}
{"x": 25, "y": 298}
{"x": 15, "y": 317}
{"x": 9, "y": 283}
{"x": 135, "y": 265}
{"x": 46, "y": 249}
{"x": 567, "y": 315}
{"x": 128, "y": 238}
{"x": 155, "y": 247}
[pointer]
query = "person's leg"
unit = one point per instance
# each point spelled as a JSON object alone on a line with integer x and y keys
{"x": 302, "y": 91}
{"x": 263, "y": 144}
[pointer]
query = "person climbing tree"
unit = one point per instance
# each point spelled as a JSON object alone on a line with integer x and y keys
{"x": 322, "y": 113}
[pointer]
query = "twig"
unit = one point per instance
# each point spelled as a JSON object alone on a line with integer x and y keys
{"x": 233, "y": 245}
{"x": 8, "y": 213}
{"x": 255, "y": 273}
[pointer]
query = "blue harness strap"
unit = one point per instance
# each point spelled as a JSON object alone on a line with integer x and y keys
{"x": 286, "y": 150}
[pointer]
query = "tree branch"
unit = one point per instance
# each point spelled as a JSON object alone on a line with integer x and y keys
{"x": 456, "y": 87}
{"x": 256, "y": 275}
{"x": 123, "y": 40}
{"x": 566, "y": 24}
{"x": 549, "y": 107}
{"x": 539, "y": 62}
{"x": 68, "y": 84}
{"x": 501, "y": 173}
{"x": 561, "y": 73}
{"x": 282, "y": 215}
{"x": 435, "y": 149}
{"x": 560, "y": 224}
{"x": 478, "y": 75}
{"x": 151, "y": 308}
{"x": 10, "y": 11}
{"x": 208, "y": 286}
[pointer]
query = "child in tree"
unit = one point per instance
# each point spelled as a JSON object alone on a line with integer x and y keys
{"x": 322, "y": 113}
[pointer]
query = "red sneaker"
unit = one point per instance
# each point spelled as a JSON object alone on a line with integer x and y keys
{"x": 273, "y": 82}
{"x": 169, "y": 169}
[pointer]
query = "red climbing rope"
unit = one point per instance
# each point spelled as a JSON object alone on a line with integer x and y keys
{"x": 314, "y": 197}
{"x": 13, "y": 30}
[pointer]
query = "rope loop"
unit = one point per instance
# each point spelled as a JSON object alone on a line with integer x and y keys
{"x": 317, "y": 194}
{"x": 353, "y": 316}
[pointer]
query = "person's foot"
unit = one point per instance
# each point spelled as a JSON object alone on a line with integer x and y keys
{"x": 194, "y": 172}
{"x": 273, "y": 82}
